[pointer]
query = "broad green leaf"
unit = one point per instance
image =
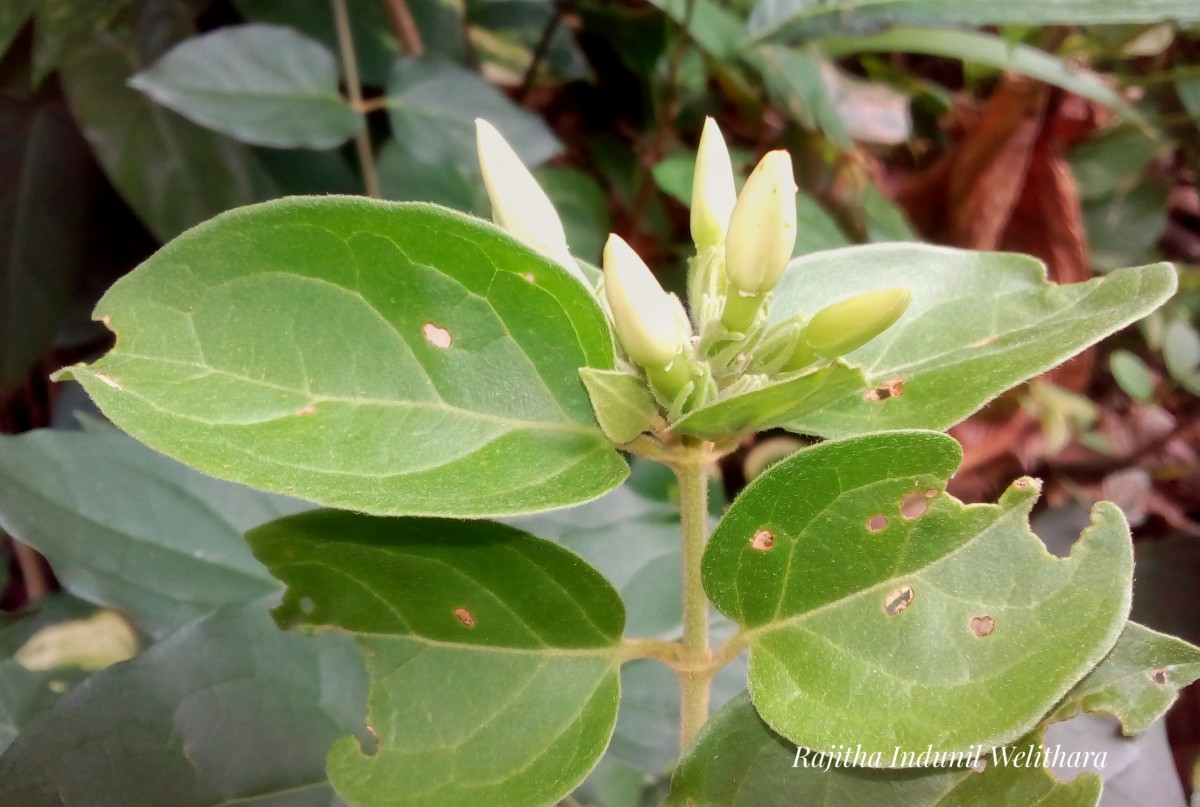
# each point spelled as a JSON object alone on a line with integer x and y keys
{"x": 433, "y": 105}
{"x": 278, "y": 700}
{"x": 622, "y": 401}
{"x": 1132, "y": 375}
{"x": 774, "y": 404}
{"x": 492, "y": 655}
{"x": 796, "y": 85}
{"x": 987, "y": 49}
{"x": 25, "y": 692}
{"x": 388, "y": 358}
{"x": 612, "y": 784}
{"x": 408, "y": 176}
{"x": 1126, "y": 227}
{"x": 775, "y": 17}
{"x": 737, "y": 761}
{"x": 45, "y": 172}
{"x": 583, "y": 207}
{"x": 128, "y": 528}
{"x": 881, "y": 610}
{"x": 978, "y": 324}
{"x": 1137, "y": 682}
{"x": 1181, "y": 348}
{"x": 261, "y": 84}
{"x": 13, "y": 16}
{"x": 714, "y": 28}
{"x": 173, "y": 173}
{"x": 62, "y": 24}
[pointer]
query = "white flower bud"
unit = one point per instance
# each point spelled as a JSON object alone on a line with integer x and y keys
{"x": 713, "y": 191}
{"x": 646, "y": 317}
{"x": 762, "y": 229}
{"x": 519, "y": 205}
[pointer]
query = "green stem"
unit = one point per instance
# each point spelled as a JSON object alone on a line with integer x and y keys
{"x": 695, "y": 682}
{"x": 366, "y": 158}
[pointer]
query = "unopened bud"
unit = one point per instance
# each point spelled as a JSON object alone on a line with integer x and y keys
{"x": 646, "y": 318}
{"x": 519, "y": 205}
{"x": 762, "y": 229}
{"x": 850, "y": 324}
{"x": 713, "y": 191}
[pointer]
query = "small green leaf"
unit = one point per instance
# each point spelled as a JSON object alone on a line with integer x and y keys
{"x": 978, "y": 324}
{"x": 622, "y": 402}
{"x": 262, "y": 84}
{"x": 281, "y": 700}
{"x": 884, "y": 611}
{"x": 737, "y": 761}
{"x": 773, "y": 405}
{"x": 388, "y": 358}
{"x": 493, "y": 656}
{"x": 89, "y": 501}
{"x": 1137, "y": 682}
{"x": 1132, "y": 375}
{"x": 1181, "y": 349}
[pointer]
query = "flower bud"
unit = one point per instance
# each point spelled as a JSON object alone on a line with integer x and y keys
{"x": 519, "y": 205}
{"x": 762, "y": 229}
{"x": 646, "y": 318}
{"x": 713, "y": 191}
{"x": 850, "y": 324}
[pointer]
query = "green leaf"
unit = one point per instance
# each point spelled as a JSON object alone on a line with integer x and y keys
{"x": 261, "y": 84}
{"x": 583, "y": 207}
{"x": 90, "y": 501}
{"x": 622, "y": 402}
{"x": 433, "y": 105}
{"x": 1126, "y": 227}
{"x": 407, "y": 176}
{"x": 990, "y": 50}
{"x": 796, "y": 85}
{"x": 1137, "y": 682}
{"x": 509, "y": 644}
{"x": 13, "y": 16}
{"x": 388, "y": 358}
{"x": 45, "y": 172}
{"x": 773, "y": 405}
{"x": 173, "y": 173}
{"x": 978, "y": 324}
{"x": 886, "y": 612}
{"x": 772, "y": 17}
{"x": 737, "y": 761}
{"x": 1132, "y": 375}
{"x": 280, "y": 701}
{"x": 62, "y": 24}
{"x": 1181, "y": 349}
{"x": 714, "y": 28}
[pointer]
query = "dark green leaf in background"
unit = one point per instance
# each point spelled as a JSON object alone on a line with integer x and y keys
{"x": 978, "y": 324}
{"x": 45, "y": 175}
{"x": 128, "y": 528}
{"x": 886, "y": 612}
{"x": 228, "y": 710}
{"x": 13, "y": 16}
{"x": 261, "y": 84}
{"x": 376, "y": 356}
{"x": 492, "y": 655}
{"x": 61, "y": 25}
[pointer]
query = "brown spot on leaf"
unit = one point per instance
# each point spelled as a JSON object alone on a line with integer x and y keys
{"x": 1159, "y": 677}
{"x": 932, "y": 493}
{"x": 888, "y": 389}
{"x": 763, "y": 540}
{"x": 438, "y": 337}
{"x": 307, "y": 410}
{"x": 898, "y": 600}
{"x": 914, "y": 505}
{"x": 876, "y": 523}
{"x": 109, "y": 381}
{"x": 982, "y": 626}
{"x": 464, "y": 616}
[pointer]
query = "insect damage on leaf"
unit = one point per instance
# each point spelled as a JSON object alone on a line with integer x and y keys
{"x": 438, "y": 337}
{"x": 877, "y": 523}
{"x": 888, "y": 389}
{"x": 982, "y": 626}
{"x": 898, "y": 600}
{"x": 763, "y": 540}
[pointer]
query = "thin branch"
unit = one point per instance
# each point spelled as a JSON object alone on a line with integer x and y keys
{"x": 405, "y": 27}
{"x": 366, "y": 158}
{"x": 540, "y": 51}
{"x": 30, "y": 564}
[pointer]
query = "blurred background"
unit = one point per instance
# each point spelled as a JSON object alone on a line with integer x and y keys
{"x": 1065, "y": 130}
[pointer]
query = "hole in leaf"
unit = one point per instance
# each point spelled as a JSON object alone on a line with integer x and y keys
{"x": 1159, "y": 677}
{"x": 982, "y": 626}
{"x": 979, "y": 765}
{"x": 888, "y": 389}
{"x": 914, "y": 505}
{"x": 465, "y": 617}
{"x": 876, "y": 523}
{"x": 307, "y": 606}
{"x": 895, "y": 602}
{"x": 438, "y": 337}
{"x": 762, "y": 540}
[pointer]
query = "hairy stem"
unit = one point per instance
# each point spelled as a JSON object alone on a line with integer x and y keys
{"x": 695, "y": 681}
{"x": 366, "y": 158}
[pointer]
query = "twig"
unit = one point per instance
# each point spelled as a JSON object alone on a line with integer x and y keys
{"x": 405, "y": 27}
{"x": 366, "y": 159}
{"x": 30, "y": 564}
{"x": 539, "y": 52}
